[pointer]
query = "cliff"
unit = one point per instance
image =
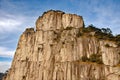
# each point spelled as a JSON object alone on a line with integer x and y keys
{"x": 58, "y": 50}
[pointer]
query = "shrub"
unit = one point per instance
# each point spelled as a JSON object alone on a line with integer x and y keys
{"x": 79, "y": 34}
{"x": 103, "y": 33}
{"x": 117, "y": 39}
{"x": 90, "y": 28}
{"x": 68, "y": 28}
{"x": 84, "y": 58}
{"x": 119, "y": 53}
{"x": 95, "y": 58}
{"x": 107, "y": 45}
{"x": 24, "y": 77}
{"x": 104, "y": 36}
{"x": 118, "y": 44}
{"x": 106, "y": 30}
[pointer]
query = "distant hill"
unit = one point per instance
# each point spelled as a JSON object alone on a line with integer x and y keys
{"x": 1, "y": 75}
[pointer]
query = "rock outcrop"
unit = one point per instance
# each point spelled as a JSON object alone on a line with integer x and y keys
{"x": 54, "y": 50}
{"x": 53, "y": 20}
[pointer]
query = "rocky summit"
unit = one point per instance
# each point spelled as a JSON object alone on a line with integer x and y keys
{"x": 60, "y": 49}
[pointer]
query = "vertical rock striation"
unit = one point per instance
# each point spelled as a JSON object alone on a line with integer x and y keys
{"x": 53, "y": 52}
{"x": 53, "y": 20}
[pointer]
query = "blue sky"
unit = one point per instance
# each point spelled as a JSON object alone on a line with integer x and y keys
{"x": 16, "y": 15}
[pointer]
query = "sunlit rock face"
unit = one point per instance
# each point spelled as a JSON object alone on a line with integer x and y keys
{"x": 53, "y": 20}
{"x": 54, "y": 50}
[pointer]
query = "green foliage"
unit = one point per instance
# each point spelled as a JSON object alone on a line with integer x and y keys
{"x": 95, "y": 58}
{"x": 90, "y": 28}
{"x": 104, "y": 33}
{"x": 117, "y": 39}
{"x": 118, "y": 44}
{"x": 100, "y": 34}
{"x": 69, "y": 28}
{"x": 84, "y": 58}
{"x": 106, "y": 30}
{"x": 107, "y": 45}
{"x": 79, "y": 34}
{"x": 119, "y": 53}
{"x": 104, "y": 36}
{"x": 23, "y": 77}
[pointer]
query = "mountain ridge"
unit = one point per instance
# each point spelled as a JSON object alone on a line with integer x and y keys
{"x": 62, "y": 48}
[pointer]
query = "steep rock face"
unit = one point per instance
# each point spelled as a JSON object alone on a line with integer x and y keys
{"x": 54, "y": 52}
{"x": 53, "y": 20}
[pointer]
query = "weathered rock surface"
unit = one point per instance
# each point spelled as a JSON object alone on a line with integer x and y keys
{"x": 54, "y": 50}
{"x": 53, "y": 20}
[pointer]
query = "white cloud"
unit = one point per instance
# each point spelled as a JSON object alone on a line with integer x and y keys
{"x": 14, "y": 23}
{"x": 9, "y": 23}
{"x": 5, "y": 52}
{"x": 4, "y": 66}
{"x": 107, "y": 17}
{"x": 104, "y": 16}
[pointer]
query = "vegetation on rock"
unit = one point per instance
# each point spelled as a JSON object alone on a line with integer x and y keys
{"x": 101, "y": 34}
{"x": 96, "y": 58}
{"x": 69, "y": 28}
{"x": 107, "y": 45}
{"x": 53, "y": 50}
{"x": 93, "y": 58}
{"x": 84, "y": 58}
